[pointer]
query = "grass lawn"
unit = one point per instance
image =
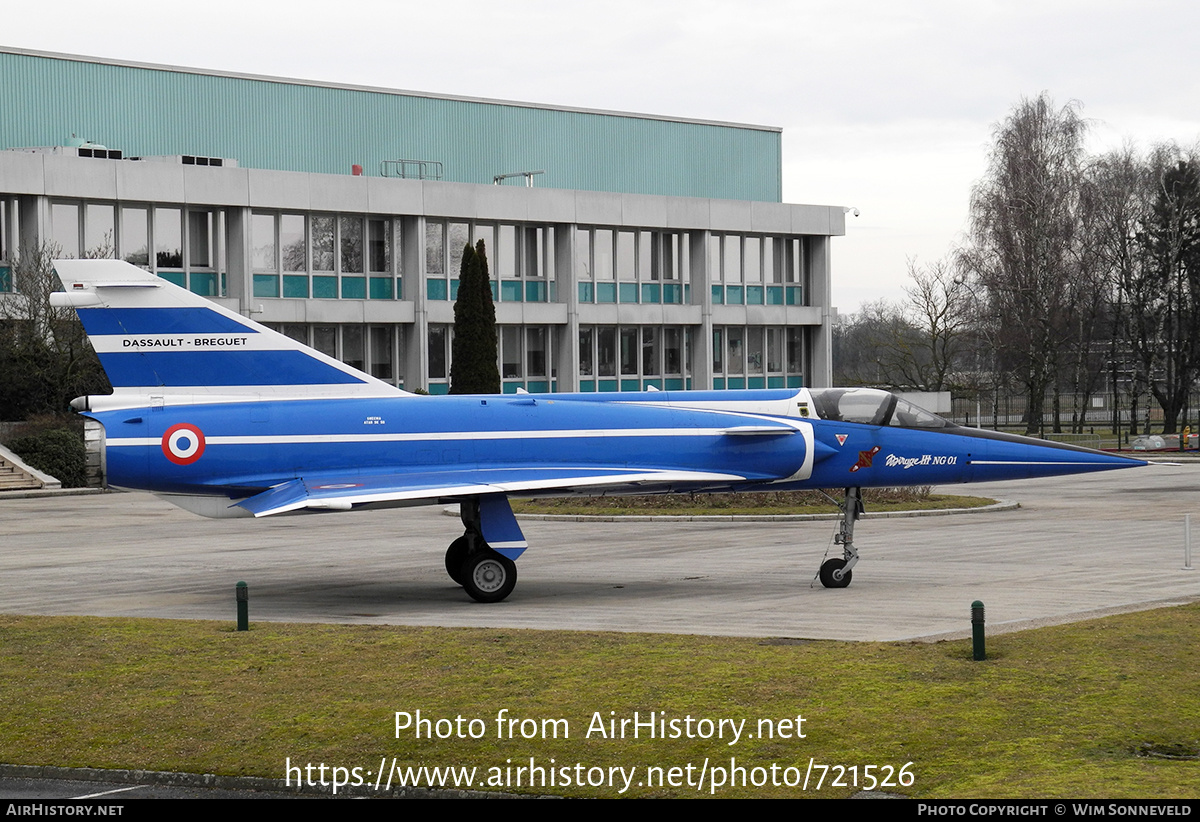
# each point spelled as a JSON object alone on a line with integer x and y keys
{"x": 746, "y": 504}
{"x": 1056, "y": 712}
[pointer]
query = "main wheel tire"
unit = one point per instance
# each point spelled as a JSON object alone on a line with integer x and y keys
{"x": 827, "y": 570}
{"x": 456, "y": 555}
{"x": 488, "y": 576}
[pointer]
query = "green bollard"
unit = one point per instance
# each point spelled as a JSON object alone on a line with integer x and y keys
{"x": 977, "y": 630}
{"x": 243, "y": 606}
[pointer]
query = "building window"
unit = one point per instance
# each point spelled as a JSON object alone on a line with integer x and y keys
{"x": 294, "y": 243}
{"x": 795, "y": 355}
{"x": 587, "y": 367}
{"x": 134, "y": 237}
{"x": 606, "y": 355}
{"x": 382, "y": 353}
{"x": 99, "y": 230}
{"x": 520, "y": 260}
{"x": 651, "y": 354}
{"x": 379, "y": 259}
{"x": 354, "y": 347}
{"x": 755, "y": 270}
{"x": 435, "y": 259}
{"x": 64, "y": 228}
{"x": 439, "y": 358}
{"x": 584, "y": 271}
{"x": 86, "y": 230}
{"x": 325, "y": 340}
{"x": 204, "y": 260}
{"x": 322, "y": 242}
{"x": 758, "y": 357}
{"x": 511, "y": 351}
{"x": 633, "y": 358}
{"x": 631, "y": 266}
{"x": 352, "y": 245}
{"x": 350, "y": 235}
{"x": 168, "y": 238}
{"x": 796, "y": 271}
{"x": 525, "y": 359}
{"x": 298, "y": 251}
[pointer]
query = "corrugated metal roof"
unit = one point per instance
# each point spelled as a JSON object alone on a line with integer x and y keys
{"x": 299, "y": 125}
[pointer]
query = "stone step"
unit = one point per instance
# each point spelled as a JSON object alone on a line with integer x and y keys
{"x": 13, "y": 478}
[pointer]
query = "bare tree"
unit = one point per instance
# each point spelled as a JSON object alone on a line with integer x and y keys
{"x": 917, "y": 343}
{"x": 1116, "y": 197}
{"x": 1022, "y": 240}
{"x": 45, "y": 359}
{"x": 861, "y": 340}
{"x": 1164, "y": 300}
{"x": 939, "y": 308}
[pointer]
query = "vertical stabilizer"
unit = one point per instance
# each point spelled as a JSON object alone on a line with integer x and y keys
{"x": 155, "y": 338}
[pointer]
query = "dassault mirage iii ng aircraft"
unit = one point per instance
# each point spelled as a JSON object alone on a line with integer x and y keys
{"x": 225, "y": 417}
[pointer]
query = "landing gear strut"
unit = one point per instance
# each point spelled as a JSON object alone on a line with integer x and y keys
{"x": 486, "y": 575}
{"x": 836, "y": 573}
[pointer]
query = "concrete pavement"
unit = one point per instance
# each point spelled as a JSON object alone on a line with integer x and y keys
{"x": 1077, "y": 547}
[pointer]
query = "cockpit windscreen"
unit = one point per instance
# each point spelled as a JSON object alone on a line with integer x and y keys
{"x": 871, "y": 406}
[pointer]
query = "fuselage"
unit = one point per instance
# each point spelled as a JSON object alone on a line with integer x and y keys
{"x": 750, "y": 438}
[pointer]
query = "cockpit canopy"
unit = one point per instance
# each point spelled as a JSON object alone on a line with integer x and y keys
{"x": 871, "y": 406}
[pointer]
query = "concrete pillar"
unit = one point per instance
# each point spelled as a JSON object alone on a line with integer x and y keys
{"x": 566, "y": 349}
{"x": 701, "y": 336}
{"x": 33, "y": 221}
{"x": 819, "y": 293}
{"x": 416, "y": 348}
{"x": 239, "y": 277}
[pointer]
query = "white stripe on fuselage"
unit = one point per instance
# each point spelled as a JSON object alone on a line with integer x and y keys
{"x": 435, "y": 436}
{"x": 1031, "y": 462}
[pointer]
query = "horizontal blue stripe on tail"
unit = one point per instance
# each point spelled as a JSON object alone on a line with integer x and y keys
{"x": 99, "y": 322}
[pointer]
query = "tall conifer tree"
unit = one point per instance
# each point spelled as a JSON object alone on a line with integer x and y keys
{"x": 473, "y": 363}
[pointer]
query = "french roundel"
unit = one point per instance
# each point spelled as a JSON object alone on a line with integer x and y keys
{"x": 183, "y": 444}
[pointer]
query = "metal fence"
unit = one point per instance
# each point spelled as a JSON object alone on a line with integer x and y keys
{"x": 1092, "y": 416}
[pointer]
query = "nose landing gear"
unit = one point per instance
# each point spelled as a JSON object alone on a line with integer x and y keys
{"x": 837, "y": 572}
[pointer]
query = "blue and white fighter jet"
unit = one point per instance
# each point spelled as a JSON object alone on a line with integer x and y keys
{"x": 225, "y": 417}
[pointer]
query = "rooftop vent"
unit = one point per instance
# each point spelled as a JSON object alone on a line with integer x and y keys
{"x": 190, "y": 160}
{"x": 93, "y": 150}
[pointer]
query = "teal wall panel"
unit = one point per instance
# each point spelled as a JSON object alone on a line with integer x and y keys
{"x": 294, "y": 126}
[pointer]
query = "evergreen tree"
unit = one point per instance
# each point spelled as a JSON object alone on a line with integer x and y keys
{"x": 473, "y": 358}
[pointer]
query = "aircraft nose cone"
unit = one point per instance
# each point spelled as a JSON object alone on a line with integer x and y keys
{"x": 1008, "y": 456}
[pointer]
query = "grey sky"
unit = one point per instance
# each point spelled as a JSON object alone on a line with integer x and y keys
{"x": 885, "y": 106}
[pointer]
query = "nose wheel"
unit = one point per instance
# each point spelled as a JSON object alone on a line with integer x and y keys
{"x": 835, "y": 574}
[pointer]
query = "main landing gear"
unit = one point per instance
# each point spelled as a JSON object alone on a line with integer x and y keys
{"x": 486, "y": 575}
{"x": 836, "y": 573}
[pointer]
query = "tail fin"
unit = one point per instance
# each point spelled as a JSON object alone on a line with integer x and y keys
{"x": 155, "y": 338}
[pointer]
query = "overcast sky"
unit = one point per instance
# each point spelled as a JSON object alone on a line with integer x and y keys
{"x": 887, "y": 107}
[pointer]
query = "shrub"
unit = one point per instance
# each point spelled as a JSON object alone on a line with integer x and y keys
{"x": 57, "y": 452}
